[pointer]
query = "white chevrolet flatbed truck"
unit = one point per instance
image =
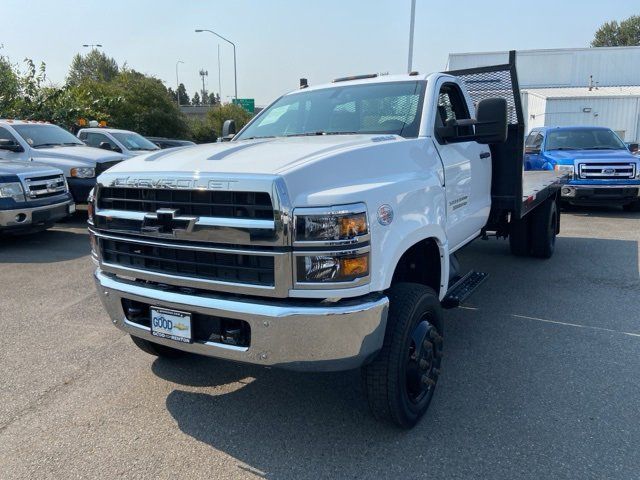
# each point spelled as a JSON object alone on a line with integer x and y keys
{"x": 323, "y": 236}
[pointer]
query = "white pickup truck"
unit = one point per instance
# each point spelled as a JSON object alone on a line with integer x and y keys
{"x": 323, "y": 236}
{"x": 50, "y": 145}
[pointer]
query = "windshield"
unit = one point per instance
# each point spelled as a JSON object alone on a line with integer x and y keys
{"x": 41, "y": 135}
{"x": 134, "y": 141}
{"x": 583, "y": 139}
{"x": 381, "y": 108}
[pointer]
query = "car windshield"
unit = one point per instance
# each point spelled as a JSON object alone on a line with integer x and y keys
{"x": 133, "y": 141}
{"x": 42, "y": 135}
{"x": 381, "y": 108}
{"x": 583, "y": 139}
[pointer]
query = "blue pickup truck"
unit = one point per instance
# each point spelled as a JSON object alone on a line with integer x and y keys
{"x": 32, "y": 197}
{"x": 600, "y": 166}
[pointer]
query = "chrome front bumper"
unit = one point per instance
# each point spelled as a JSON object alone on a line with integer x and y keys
{"x": 286, "y": 333}
{"x": 23, "y": 217}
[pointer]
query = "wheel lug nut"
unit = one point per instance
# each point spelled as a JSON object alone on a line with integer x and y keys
{"x": 436, "y": 371}
{"x": 427, "y": 345}
{"x": 423, "y": 364}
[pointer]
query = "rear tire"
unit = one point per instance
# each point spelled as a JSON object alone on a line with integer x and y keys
{"x": 400, "y": 382}
{"x": 544, "y": 227}
{"x": 156, "y": 349}
{"x": 519, "y": 237}
{"x": 632, "y": 207}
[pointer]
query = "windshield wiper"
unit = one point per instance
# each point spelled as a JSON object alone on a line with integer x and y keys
{"x": 320, "y": 132}
{"x": 259, "y": 136}
{"x": 71, "y": 144}
{"x": 602, "y": 148}
{"x": 47, "y": 145}
{"x": 563, "y": 148}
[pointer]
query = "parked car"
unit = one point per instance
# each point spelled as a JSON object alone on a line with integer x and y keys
{"x": 32, "y": 196}
{"x": 164, "y": 143}
{"x": 129, "y": 144}
{"x": 325, "y": 241}
{"x": 602, "y": 169}
{"x": 24, "y": 141}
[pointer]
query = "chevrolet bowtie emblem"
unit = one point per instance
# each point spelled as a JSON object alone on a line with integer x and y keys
{"x": 167, "y": 221}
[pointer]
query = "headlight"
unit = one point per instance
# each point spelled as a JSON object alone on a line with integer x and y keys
{"x": 332, "y": 267}
{"x": 83, "y": 172}
{"x": 564, "y": 168}
{"x": 332, "y": 225}
{"x": 12, "y": 190}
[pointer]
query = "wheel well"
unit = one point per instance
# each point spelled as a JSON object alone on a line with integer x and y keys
{"x": 420, "y": 264}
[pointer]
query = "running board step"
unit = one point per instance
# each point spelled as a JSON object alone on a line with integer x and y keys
{"x": 463, "y": 288}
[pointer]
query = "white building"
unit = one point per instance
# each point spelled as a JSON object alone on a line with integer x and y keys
{"x": 581, "y": 86}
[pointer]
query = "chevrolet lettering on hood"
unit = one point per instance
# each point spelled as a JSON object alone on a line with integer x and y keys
{"x": 173, "y": 183}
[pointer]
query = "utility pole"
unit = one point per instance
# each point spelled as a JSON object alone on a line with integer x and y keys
{"x": 219, "y": 75}
{"x": 178, "y": 83}
{"x": 412, "y": 24}
{"x": 203, "y": 73}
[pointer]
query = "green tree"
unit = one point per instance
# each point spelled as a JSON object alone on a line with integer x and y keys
{"x": 9, "y": 86}
{"x": 196, "y": 99}
{"x": 217, "y": 115}
{"x": 614, "y": 34}
{"x": 95, "y": 66}
{"x": 183, "y": 95}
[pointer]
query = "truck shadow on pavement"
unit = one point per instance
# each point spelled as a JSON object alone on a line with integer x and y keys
{"x": 513, "y": 387}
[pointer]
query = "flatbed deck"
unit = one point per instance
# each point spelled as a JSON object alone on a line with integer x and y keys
{"x": 539, "y": 185}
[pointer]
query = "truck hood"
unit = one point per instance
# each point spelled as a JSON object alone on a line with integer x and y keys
{"x": 259, "y": 156}
{"x": 80, "y": 155}
{"x": 28, "y": 168}
{"x": 568, "y": 157}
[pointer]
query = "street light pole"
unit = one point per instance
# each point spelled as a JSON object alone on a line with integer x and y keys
{"x": 235, "y": 70}
{"x": 412, "y": 24}
{"x": 219, "y": 75}
{"x": 178, "y": 83}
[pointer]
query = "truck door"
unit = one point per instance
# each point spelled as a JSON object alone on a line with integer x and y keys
{"x": 467, "y": 170}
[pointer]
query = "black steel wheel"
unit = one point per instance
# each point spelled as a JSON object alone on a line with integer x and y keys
{"x": 401, "y": 380}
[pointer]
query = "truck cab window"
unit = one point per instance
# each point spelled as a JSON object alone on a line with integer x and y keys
{"x": 451, "y": 107}
{"x": 534, "y": 142}
{"x": 6, "y": 135}
{"x": 95, "y": 139}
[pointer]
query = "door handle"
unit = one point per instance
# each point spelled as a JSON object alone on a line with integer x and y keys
{"x": 485, "y": 155}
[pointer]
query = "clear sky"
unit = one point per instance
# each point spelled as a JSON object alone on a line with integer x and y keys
{"x": 279, "y": 41}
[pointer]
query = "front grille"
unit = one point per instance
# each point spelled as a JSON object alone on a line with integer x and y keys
{"x": 104, "y": 166}
{"x": 205, "y": 203}
{"x": 201, "y": 265}
{"x": 44, "y": 186}
{"x": 607, "y": 171}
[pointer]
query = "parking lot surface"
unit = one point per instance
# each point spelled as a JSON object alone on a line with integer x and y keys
{"x": 541, "y": 379}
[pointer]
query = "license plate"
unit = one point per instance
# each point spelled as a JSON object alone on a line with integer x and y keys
{"x": 171, "y": 324}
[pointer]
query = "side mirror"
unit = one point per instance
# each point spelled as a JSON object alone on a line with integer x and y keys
{"x": 491, "y": 121}
{"x": 11, "y": 146}
{"x": 105, "y": 146}
{"x": 228, "y": 130}
{"x": 531, "y": 151}
{"x": 633, "y": 148}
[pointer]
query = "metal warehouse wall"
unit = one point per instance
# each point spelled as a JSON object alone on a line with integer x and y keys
{"x": 620, "y": 114}
{"x": 610, "y": 66}
{"x": 534, "y": 109}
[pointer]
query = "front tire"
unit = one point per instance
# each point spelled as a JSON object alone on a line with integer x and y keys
{"x": 156, "y": 349}
{"x": 400, "y": 382}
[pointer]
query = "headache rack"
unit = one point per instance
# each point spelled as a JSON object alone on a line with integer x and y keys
{"x": 513, "y": 190}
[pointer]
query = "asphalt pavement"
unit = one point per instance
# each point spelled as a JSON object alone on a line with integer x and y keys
{"x": 541, "y": 379}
